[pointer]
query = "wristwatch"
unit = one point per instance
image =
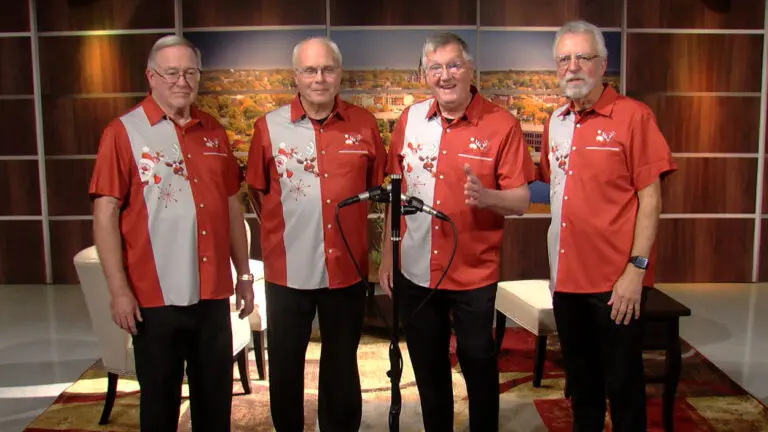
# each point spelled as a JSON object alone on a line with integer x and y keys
{"x": 245, "y": 277}
{"x": 639, "y": 262}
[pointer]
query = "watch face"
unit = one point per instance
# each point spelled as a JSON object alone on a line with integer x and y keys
{"x": 640, "y": 262}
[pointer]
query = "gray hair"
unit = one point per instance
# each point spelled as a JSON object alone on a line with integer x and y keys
{"x": 582, "y": 27}
{"x": 439, "y": 40}
{"x": 170, "y": 41}
{"x": 326, "y": 41}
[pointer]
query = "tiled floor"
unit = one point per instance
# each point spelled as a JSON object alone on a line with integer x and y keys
{"x": 46, "y": 340}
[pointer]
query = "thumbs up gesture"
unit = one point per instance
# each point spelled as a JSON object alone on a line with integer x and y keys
{"x": 474, "y": 192}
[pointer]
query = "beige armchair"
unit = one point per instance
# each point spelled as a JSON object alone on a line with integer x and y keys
{"x": 115, "y": 344}
{"x": 257, "y": 319}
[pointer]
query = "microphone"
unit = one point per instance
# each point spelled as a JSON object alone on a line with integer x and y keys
{"x": 419, "y": 205}
{"x": 378, "y": 194}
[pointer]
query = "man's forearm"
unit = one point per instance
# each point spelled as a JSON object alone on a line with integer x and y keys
{"x": 510, "y": 201}
{"x": 647, "y": 222}
{"x": 106, "y": 237}
{"x": 237, "y": 237}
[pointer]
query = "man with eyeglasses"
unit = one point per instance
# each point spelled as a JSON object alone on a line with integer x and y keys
{"x": 604, "y": 158}
{"x": 466, "y": 157}
{"x": 305, "y": 158}
{"x": 167, "y": 219}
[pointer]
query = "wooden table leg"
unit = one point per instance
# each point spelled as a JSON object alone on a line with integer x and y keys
{"x": 672, "y": 374}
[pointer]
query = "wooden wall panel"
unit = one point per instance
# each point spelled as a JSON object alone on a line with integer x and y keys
{"x": 705, "y": 250}
{"x": 697, "y": 14}
{"x": 68, "y": 181}
{"x": 765, "y": 187}
{"x": 67, "y": 239}
{"x": 403, "y": 12}
{"x": 18, "y": 115}
{"x": 19, "y": 188}
{"x": 73, "y": 126}
{"x": 15, "y": 16}
{"x": 94, "y": 64}
{"x": 64, "y": 15}
{"x": 506, "y": 13}
{"x": 16, "y": 58}
{"x": 524, "y": 249}
{"x": 711, "y": 185}
{"x": 22, "y": 258}
{"x": 723, "y": 124}
{"x": 694, "y": 62}
{"x": 225, "y": 13}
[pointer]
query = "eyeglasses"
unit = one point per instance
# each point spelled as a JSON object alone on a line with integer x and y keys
{"x": 172, "y": 76}
{"x": 311, "y": 71}
{"x": 582, "y": 59}
{"x": 452, "y": 68}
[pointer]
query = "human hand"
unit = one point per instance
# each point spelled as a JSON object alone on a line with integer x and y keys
{"x": 244, "y": 298}
{"x": 125, "y": 311}
{"x": 625, "y": 300}
{"x": 475, "y": 194}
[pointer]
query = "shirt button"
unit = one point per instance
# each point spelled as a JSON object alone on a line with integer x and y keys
{"x": 205, "y": 259}
{"x": 329, "y": 226}
{"x": 565, "y": 198}
{"x": 330, "y": 250}
{"x": 562, "y": 250}
{"x": 573, "y": 148}
{"x": 321, "y": 130}
{"x": 570, "y": 172}
{"x": 563, "y": 223}
{"x": 195, "y": 180}
{"x": 189, "y": 156}
{"x": 437, "y": 227}
{"x": 204, "y": 232}
{"x": 438, "y": 202}
{"x": 578, "y": 125}
{"x": 434, "y": 252}
{"x": 327, "y": 201}
{"x": 325, "y": 175}
{"x": 448, "y": 130}
{"x": 322, "y": 152}
{"x": 445, "y": 151}
{"x": 441, "y": 176}
{"x": 202, "y": 205}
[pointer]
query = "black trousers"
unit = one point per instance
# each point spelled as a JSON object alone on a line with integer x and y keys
{"x": 169, "y": 336}
{"x": 428, "y": 335}
{"x": 290, "y": 313}
{"x": 601, "y": 359}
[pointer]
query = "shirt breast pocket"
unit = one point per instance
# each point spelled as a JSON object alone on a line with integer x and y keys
{"x": 606, "y": 162}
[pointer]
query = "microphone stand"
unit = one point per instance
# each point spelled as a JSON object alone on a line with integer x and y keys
{"x": 395, "y": 357}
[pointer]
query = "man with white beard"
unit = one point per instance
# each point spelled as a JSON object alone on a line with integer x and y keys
{"x": 604, "y": 158}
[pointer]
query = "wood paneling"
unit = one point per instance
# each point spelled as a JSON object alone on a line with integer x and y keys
{"x": 723, "y": 124}
{"x": 63, "y": 15}
{"x": 765, "y": 187}
{"x": 19, "y": 188}
{"x": 524, "y": 249}
{"x": 68, "y": 181}
{"x": 711, "y": 185}
{"x": 403, "y": 12}
{"x": 705, "y": 250}
{"x": 16, "y": 58}
{"x": 94, "y": 64}
{"x": 505, "y": 13}
{"x": 698, "y": 14}
{"x": 15, "y": 16}
{"x": 18, "y": 116}
{"x": 73, "y": 126}
{"x": 203, "y": 13}
{"x": 694, "y": 62}
{"x": 67, "y": 239}
{"x": 22, "y": 259}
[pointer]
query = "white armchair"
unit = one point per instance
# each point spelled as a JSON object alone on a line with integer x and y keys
{"x": 257, "y": 319}
{"x": 115, "y": 344}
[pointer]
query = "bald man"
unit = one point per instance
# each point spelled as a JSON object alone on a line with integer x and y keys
{"x": 305, "y": 158}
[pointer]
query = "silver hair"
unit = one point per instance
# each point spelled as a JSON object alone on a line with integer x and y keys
{"x": 582, "y": 27}
{"x": 439, "y": 40}
{"x": 170, "y": 41}
{"x": 329, "y": 43}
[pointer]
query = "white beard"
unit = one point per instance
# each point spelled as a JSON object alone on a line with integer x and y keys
{"x": 579, "y": 91}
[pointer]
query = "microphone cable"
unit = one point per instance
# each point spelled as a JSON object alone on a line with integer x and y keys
{"x": 365, "y": 278}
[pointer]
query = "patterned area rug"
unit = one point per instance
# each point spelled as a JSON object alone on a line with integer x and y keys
{"x": 707, "y": 400}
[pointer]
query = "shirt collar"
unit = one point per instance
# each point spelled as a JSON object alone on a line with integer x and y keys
{"x": 603, "y": 105}
{"x": 298, "y": 113}
{"x": 154, "y": 113}
{"x": 472, "y": 113}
